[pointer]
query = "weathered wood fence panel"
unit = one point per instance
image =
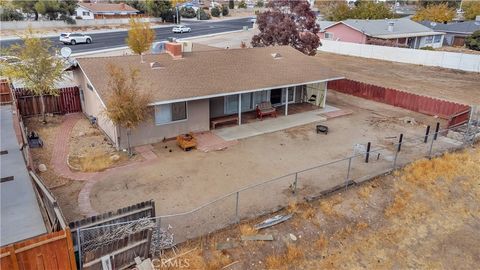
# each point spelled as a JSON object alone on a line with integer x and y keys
{"x": 49, "y": 251}
{"x": 122, "y": 251}
{"x": 5, "y": 93}
{"x": 452, "y": 111}
{"x": 68, "y": 101}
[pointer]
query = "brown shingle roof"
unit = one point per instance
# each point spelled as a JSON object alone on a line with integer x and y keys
{"x": 107, "y": 7}
{"x": 209, "y": 73}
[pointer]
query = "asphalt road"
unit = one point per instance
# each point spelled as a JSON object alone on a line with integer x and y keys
{"x": 109, "y": 40}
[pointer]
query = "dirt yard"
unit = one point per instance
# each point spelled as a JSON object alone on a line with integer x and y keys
{"x": 180, "y": 181}
{"x": 425, "y": 216}
{"x": 459, "y": 86}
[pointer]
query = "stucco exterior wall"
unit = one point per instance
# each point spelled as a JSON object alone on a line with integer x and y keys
{"x": 198, "y": 119}
{"x": 344, "y": 33}
{"x": 92, "y": 105}
{"x": 79, "y": 13}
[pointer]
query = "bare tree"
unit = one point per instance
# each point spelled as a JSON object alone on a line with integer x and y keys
{"x": 127, "y": 107}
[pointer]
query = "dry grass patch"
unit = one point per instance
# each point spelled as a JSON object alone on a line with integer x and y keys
{"x": 365, "y": 192}
{"x": 217, "y": 260}
{"x": 321, "y": 243}
{"x": 292, "y": 254}
{"x": 327, "y": 206}
{"x": 92, "y": 162}
{"x": 399, "y": 203}
{"x": 247, "y": 229}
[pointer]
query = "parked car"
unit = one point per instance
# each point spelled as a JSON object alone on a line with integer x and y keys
{"x": 181, "y": 29}
{"x": 74, "y": 38}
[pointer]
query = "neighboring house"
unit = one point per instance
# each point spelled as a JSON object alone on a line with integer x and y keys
{"x": 90, "y": 11}
{"x": 189, "y": 89}
{"x": 387, "y": 32}
{"x": 456, "y": 32}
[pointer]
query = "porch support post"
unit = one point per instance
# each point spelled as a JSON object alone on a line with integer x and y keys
{"x": 286, "y": 102}
{"x": 239, "y": 109}
{"x": 324, "y": 102}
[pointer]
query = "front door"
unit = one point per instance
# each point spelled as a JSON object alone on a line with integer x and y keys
{"x": 276, "y": 96}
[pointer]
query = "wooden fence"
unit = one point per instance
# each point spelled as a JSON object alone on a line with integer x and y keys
{"x": 122, "y": 251}
{"x": 49, "y": 251}
{"x": 5, "y": 93}
{"x": 456, "y": 113}
{"x": 68, "y": 101}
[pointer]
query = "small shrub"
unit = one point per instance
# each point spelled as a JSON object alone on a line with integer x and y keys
{"x": 473, "y": 42}
{"x": 225, "y": 10}
{"x": 203, "y": 15}
{"x": 231, "y": 4}
{"x": 188, "y": 12}
{"x": 242, "y": 4}
{"x": 70, "y": 20}
{"x": 11, "y": 14}
{"x": 260, "y": 4}
{"x": 427, "y": 48}
{"x": 215, "y": 11}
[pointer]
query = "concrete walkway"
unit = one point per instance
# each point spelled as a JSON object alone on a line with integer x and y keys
{"x": 269, "y": 125}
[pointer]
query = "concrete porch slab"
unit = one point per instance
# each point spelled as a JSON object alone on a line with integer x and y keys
{"x": 269, "y": 125}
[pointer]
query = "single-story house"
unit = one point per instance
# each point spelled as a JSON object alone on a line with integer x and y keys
{"x": 388, "y": 32}
{"x": 189, "y": 89}
{"x": 90, "y": 11}
{"x": 456, "y": 32}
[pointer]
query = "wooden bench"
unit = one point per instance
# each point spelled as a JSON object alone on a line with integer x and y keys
{"x": 223, "y": 120}
{"x": 266, "y": 108}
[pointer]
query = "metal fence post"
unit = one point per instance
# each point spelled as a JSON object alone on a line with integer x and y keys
{"x": 437, "y": 128}
{"x": 295, "y": 183}
{"x": 400, "y": 141}
{"x": 79, "y": 248}
{"x": 348, "y": 172}
{"x": 368, "y": 152}
{"x": 426, "y": 134}
{"x": 236, "y": 209}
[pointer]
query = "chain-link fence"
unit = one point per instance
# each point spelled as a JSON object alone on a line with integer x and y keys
{"x": 366, "y": 162}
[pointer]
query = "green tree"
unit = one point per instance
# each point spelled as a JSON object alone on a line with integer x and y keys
{"x": 27, "y": 7}
{"x": 472, "y": 9}
{"x": 242, "y": 4}
{"x": 435, "y": 13}
{"x": 260, "y": 4}
{"x": 39, "y": 70}
{"x": 188, "y": 12}
{"x": 160, "y": 8}
{"x": 140, "y": 37}
{"x": 231, "y": 4}
{"x": 67, "y": 7}
{"x": 371, "y": 10}
{"x": 10, "y": 14}
{"x": 215, "y": 11}
{"x": 225, "y": 10}
{"x": 473, "y": 42}
{"x": 126, "y": 106}
{"x": 48, "y": 8}
{"x": 362, "y": 10}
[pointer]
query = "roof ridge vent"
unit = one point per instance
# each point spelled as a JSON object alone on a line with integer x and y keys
{"x": 156, "y": 65}
{"x": 277, "y": 55}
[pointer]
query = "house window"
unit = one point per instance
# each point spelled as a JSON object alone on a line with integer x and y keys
{"x": 437, "y": 38}
{"x": 328, "y": 35}
{"x": 168, "y": 113}
{"x": 86, "y": 13}
{"x": 428, "y": 39}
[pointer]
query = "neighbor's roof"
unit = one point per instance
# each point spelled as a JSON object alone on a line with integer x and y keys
{"x": 467, "y": 27}
{"x": 379, "y": 28}
{"x": 21, "y": 217}
{"x": 107, "y": 7}
{"x": 205, "y": 74}
{"x": 325, "y": 24}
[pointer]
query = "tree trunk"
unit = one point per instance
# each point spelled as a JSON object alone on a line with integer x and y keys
{"x": 128, "y": 143}
{"x": 42, "y": 102}
{"x": 36, "y": 16}
{"x": 141, "y": 58}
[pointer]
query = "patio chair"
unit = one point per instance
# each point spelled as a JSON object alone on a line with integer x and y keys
{"x": 313, "y": 98}
{"x": 265, "y": 108}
